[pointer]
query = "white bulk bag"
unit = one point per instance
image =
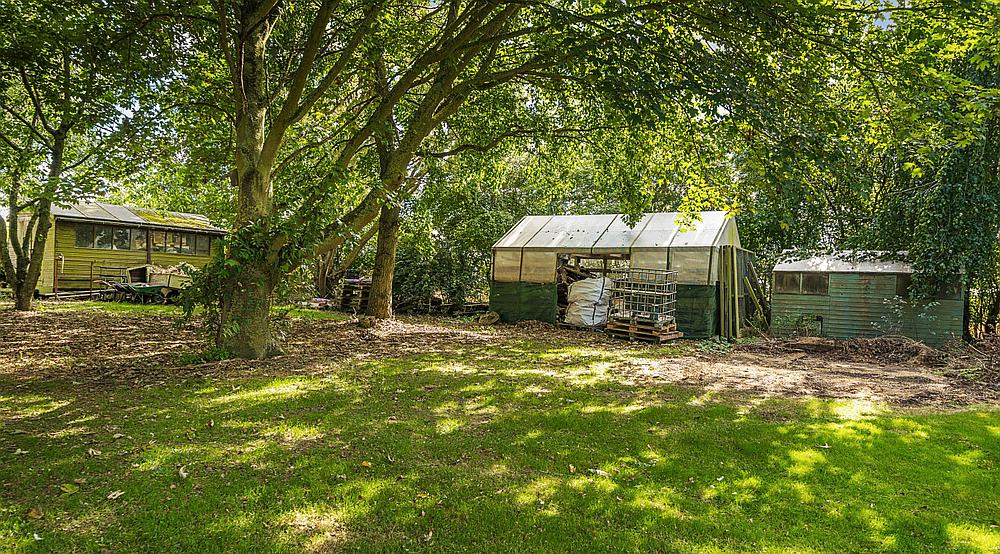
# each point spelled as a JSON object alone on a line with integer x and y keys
{"x": 588, "y": 302}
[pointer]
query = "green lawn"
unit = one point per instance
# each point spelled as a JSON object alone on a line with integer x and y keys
{"x": 522, "y": 446}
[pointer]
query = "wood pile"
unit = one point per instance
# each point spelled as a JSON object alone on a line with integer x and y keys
{"x": 353, "y": 294}
{"x": 565, "y": 276}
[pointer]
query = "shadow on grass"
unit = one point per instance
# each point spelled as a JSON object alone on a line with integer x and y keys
{"x": 486, "y": 449}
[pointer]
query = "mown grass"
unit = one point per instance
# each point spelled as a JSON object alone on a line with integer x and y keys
{"x": 519, "y": 447}
{"x": 133, "y": 309}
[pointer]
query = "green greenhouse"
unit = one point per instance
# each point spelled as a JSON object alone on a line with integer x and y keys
{"x": 696, "y": 247}
{"x": 860, "y": 294}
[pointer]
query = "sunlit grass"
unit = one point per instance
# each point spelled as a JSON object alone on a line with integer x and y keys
{"x": 517, "y": 447}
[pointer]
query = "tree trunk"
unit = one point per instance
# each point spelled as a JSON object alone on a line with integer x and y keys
{"x": 380, "y": 298}
{"x": 28, "y": 260}
{"x": 245, "y": 329}
{"x": 244, "y": 317}
{"x": 22, "y": 299}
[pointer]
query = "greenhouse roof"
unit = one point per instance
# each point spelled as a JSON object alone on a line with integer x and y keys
{"x": 611, "y": 233}
{"x": 848, "y": 261}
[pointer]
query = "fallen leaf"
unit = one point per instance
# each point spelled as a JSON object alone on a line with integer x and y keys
{"x": 572, "y": 468}
{"x": 824, "y": 445}
{"x": 183, "y": 474}
{"x": 36, "y": 536}
{"x": 18, "y": 452}
{"x": 69, "y": 488}
{"x": 366, "y": 463}
{"x": 35, "y": 513}
{"x": 117, "y": 436}
{"x": 93, "y": 452}
{"x": 115, "y": 494}
{"x": 211, "y": 423}
{"x": 600, "y": 472}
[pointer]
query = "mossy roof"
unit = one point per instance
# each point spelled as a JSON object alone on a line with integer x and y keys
{"x": 100, "y": 212}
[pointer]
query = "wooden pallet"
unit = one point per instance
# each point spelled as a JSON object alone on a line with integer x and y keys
{"x": 644, "y": 331}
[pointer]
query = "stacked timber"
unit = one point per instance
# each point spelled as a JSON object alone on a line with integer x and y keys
{"x": 354, "y": 293}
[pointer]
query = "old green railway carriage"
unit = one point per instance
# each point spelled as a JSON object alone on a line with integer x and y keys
{"x": 90, "y": 240}
{"x": 860, "y": 294}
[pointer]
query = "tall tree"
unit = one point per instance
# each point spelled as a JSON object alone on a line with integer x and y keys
{"x": 301, "y": 89}
{"x": 67, "y": 77}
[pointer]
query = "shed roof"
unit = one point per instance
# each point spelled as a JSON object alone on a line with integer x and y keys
{"x": 99, "y": 212}
{"x": 848, "y": 261}
{"x": 611, "y": 233}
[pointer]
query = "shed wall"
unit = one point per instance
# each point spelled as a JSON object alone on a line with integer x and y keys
{"x": 524, "y": 301}
{"x": 860, "y": 305}
{"x": 697, "y": 310}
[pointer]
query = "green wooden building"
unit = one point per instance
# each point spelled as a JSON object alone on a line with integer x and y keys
{"x": 97, "y": 240}
{"x": 860, "y": 294}
{"x": 526, "y": 259}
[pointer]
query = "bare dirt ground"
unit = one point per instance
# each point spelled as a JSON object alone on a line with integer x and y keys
{"x": 96, "y": 347}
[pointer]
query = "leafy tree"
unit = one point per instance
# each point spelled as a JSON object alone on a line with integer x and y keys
{"x": 65, "y": 80}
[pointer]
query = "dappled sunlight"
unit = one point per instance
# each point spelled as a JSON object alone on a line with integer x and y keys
{"x": 703, "y": 399}
{"x": 970, "y": 458}
{"x": 877, "y": 527}
{"x": 283, "y": 389}
{"x": 538, "y": 492}
{"x": 316, "y": 526}
{"x": 448, "y": 425}
{"x": 458, "y": 447}
{"x": 804, "y": 462}
{"x": 658, "y": 501}
{"x": 30, "y": 405}
{"x": 611, "y": 409}
{"x": 802, "y": 492}
{"x": 978, "y": 538}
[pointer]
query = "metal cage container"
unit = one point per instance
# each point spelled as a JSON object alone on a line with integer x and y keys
{"x": 648, "y": 295}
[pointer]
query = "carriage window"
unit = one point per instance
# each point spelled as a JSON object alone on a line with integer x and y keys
{"x": 104, "y": 237}
{"x": 203, "y": 245}
{"x": 159, "y": 240}
{"x": 138, "y": 239}
{"x": 121, "y": 239}
{"x": 786, "y": 282}
{"x": 187, "y": 243}
{"x": 815, "y": 283}
{"x": 84, "y": 236}
{"x": 173, "y": 242}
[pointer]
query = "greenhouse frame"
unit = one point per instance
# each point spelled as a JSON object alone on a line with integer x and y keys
{"x": 526, "y": 259}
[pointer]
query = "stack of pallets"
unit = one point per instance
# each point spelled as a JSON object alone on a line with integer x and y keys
{"x": 353, "y": 294}
{"x": 641, "y": 329}
{"x": 643, "y": 305}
